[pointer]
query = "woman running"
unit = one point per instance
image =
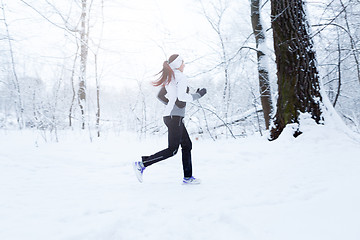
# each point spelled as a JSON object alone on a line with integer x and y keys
{"x": 174, "y": 93}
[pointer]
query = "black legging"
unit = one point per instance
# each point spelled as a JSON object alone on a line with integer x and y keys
{"x": 177, "y": 135}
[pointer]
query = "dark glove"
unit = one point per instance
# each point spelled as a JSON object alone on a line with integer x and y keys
{"x": 202, "y": 91}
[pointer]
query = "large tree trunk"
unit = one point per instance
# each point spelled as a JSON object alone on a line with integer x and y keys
{"x": 298, "y": 81}
{"x": 264, "y": 83}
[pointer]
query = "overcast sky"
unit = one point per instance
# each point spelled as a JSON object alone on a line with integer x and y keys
{"x": 137, "y": 35}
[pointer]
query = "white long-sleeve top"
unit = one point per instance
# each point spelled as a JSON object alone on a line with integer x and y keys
{"x": 177, "y": 90}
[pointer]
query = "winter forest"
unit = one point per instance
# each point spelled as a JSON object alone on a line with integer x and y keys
{"x": 275, "y": 140}
{"x": 89, "y": 64}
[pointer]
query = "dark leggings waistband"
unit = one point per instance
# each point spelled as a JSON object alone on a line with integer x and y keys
{"x": 173, "y": 116}
{"x": 173, "y": 119}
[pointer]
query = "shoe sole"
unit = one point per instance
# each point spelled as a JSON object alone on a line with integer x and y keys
{"x": 137, "y": 173}
{"x": 191, "y": 183}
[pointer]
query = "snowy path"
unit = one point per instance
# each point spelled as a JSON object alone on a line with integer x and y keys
{"x": 306, "y": 188}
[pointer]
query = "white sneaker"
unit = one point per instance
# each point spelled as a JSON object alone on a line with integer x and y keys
{"x": 191, "y": 180}
{"x": 139, "y": 170}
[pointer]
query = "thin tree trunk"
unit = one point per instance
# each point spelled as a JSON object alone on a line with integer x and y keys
{"x": 96, "y": 74}
{"x": 264, "y": 83}
{"x": 339, "y": 73}
{"x": 97, "y": 99}
{"x": 83, "y": 60}
{"x": 298, "y": 80}
{"x": 73, "y": 87}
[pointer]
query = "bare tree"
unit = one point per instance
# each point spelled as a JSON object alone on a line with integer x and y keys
{"x": 216, "y": 24}
{"x": 298, "y": 80}
{"x": 355, "y": 51}
{"x": 98, "y": 111}
{"x": 84, "y": 49}
{"x": 79, "y": 30}
{"x": 338, "y": 40}
{"x": 264, "y": 83}
{"x": 18, "y": 98}
{"x": 70, "y": 115}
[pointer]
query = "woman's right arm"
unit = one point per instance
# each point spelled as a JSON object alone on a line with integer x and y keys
{"x": 183, "y": 92}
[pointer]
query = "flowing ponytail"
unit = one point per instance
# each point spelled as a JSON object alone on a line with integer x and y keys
{"x": 166, "y": 73}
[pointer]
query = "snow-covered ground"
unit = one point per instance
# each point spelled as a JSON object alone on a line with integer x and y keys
{"x": 306, "y": 188}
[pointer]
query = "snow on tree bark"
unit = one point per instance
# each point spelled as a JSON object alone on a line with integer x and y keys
{"x": 264, "y": 83}
{"x": 83, "y": 60}
{"x": 298, "y": 80}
